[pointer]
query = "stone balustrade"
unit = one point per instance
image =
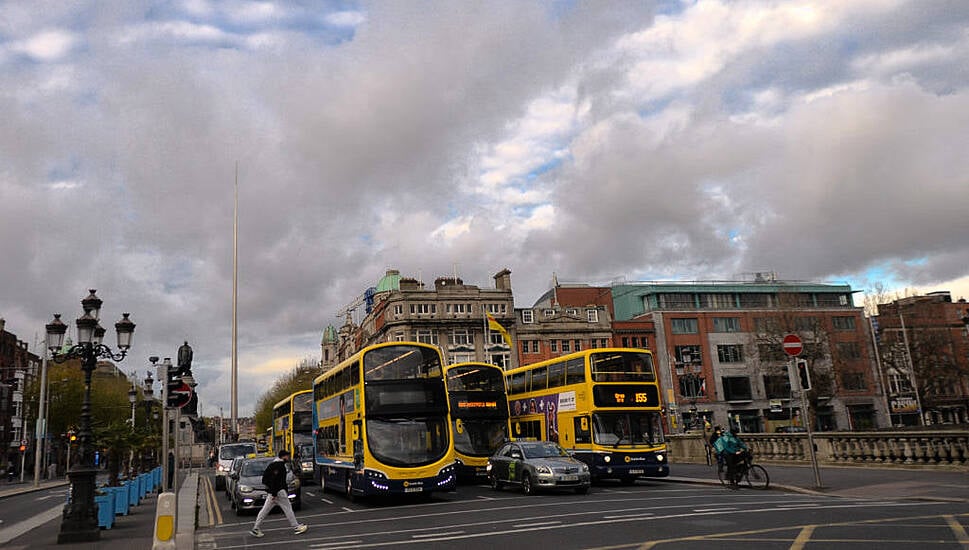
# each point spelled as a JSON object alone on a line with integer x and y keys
{"x": 945, "y": 449}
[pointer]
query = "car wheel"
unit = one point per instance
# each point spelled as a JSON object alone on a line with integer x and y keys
{"x": 527, "y": 487}
{"x": 350, "y": 487}
{"x": 495, "y": 483}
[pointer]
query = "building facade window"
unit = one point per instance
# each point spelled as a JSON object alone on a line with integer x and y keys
{"x": 683, "y": 326}
{"x": 853, "y": 381}
{"x": 527, "y": 316}
{"x": 565, "y": 346}
{"x": 423, "y": 309}
{"x": 688, "y": 354}
{"x": 726, "y": 324}
{"x": 398, "y": 309}
{"x": 399, "y": 336}
{"x": 849, "y": 350}
{"x": 577, "y": 345}
{"x": 719, "y": 301}
{"x": 460, "y": 357}
{"x": 777, "y": 386}
{"x": 459, "y": 308}
{"x": 462, "y": 337}
{"x": 843, "y": 323}
{"x": 592, "y": 315}
{"x": 548, "y": 312}
{"x": 500, "y": 309}
{"x": 427, "y": 336}
{"x": 736, "y": 388}
{"x": 573, "y": 311}
{"x": 553, "y": 346}
{"x": 675, "y": 300}
{"x": 730, "y": 353}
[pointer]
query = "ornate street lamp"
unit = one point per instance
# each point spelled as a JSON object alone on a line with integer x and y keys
{"x": 80, "y": 520}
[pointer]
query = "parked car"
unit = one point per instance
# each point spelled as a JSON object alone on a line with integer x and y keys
{"x": 227, "y": 452}
{"x": 248, "y": 492}
{"x": 229, "y": 480}
{"x": 534, "y": 465}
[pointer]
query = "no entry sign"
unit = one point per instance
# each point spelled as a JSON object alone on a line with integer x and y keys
{"x": 792, "y": 345}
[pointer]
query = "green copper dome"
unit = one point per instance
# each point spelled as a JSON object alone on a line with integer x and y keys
{"x": 390, "y": 281}
{"x": 329, "y": 335}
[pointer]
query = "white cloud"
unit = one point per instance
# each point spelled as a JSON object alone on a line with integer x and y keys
{"x": 347, "y": 18}
{"x": 47, "y": 46}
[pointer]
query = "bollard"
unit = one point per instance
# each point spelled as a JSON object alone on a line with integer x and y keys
{"x": 164, "y": 537}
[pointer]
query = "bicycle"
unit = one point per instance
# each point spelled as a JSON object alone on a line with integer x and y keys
{"x": 754, "y": 475}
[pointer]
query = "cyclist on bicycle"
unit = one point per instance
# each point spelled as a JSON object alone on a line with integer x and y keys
{"x": 733, "y": 451}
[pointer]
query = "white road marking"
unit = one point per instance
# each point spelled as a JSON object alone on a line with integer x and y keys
{"x": 17, "y": 529}
{"x": 536, "y": 524}
{"x": 429, "y": 535}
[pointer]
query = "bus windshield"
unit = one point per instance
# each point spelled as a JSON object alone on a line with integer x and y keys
{"x": 408, "y": 441}
{"x": 623, "y": 366}
{"x": 401, "y": 363}
{"x": 627, "y": 428}
{"x": 479, "y": 437}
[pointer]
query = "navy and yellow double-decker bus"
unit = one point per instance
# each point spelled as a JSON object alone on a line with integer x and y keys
{"x": 602, "y": 404}
{"x": 381, "y": 423}
{"x": 479, "y": 415}
{"x": 293, "y": 430}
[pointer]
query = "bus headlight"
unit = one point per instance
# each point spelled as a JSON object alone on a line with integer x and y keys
{"x": 660, "y": 458}
{"x": 607, "y": 459}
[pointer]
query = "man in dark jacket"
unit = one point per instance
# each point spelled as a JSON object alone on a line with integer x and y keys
{"x": 274, "y": 478}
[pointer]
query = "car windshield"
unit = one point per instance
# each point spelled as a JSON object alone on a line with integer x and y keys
{"x": 254, "y": 468}
{"x": 543, "y": 450}
{"x": 228, "y": 452}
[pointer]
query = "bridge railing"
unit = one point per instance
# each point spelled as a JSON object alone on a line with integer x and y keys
{"x": 944, "y": 449}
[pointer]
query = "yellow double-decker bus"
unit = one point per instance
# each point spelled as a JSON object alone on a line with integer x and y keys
{"x": 381, "y": 423}
{"x": 602, "y": 404}
{"x": 293, "y": 430}
{"x": 479, "y": 415}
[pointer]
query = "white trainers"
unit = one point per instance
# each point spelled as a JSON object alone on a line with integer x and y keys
{"x": 256, "y": 533}
{"x": 301, "y": 528}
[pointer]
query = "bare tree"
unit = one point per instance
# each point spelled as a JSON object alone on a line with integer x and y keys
{"x": 299, "y": 379}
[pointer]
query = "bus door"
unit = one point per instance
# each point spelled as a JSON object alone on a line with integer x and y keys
{"x": 529, "y": 428}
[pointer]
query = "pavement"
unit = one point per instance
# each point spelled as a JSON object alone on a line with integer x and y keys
{"x": 135, "y": 531}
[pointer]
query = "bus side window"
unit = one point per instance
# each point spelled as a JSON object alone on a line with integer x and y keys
{"x": 583, "y": 433}
{"x": 575, "y": 371}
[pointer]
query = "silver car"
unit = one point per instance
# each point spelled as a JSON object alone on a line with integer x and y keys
{"x": 248, "y": 492}
{"x": 534, "y": 465}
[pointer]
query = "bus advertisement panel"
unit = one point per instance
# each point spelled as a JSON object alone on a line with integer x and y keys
{"x": 601, "y": 404}
{"x": 479, "y": 415}
{"x": 381, "y": 423}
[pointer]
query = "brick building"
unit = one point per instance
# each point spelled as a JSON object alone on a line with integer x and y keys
{"x": 927, "y": 335}
{"x": 17, "y": 367}
{"x": 717, "y": 347}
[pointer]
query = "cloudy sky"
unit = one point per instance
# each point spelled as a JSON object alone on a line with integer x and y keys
{"x": 676, "y": 140}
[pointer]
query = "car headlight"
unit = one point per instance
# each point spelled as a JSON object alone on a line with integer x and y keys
{"x": 488, "y": 467}
{"x": 544, "y": 470}
{"x": 307, "y": 465}
{"x": 245, "y": 489}
{"x": 583, "y": 467}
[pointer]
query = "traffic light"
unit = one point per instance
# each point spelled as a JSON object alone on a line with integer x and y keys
{"x": 803, "y": 374}
{"x": 173, "y": 379}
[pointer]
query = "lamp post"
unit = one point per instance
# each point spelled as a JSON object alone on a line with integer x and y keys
{"x": 80, "y": 521}
{"x": 132, "y": 398}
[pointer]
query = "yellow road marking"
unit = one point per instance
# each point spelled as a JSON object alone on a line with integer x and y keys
{"x": 211, "y": 502}
{"x": 803, "y": 537}
{"x": 958, "y": 529}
